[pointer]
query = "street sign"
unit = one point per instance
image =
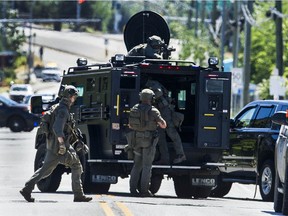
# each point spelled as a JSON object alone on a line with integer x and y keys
{"x": 277, "y": 85}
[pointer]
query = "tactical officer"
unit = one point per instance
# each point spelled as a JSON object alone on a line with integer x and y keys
{"x": 59, "y": 150}
{"x": 143, "y": 120}
{"x": 163, "y": 104}
{"x": 151, "y": 49}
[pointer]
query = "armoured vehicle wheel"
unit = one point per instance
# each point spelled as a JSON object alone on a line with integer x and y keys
{"x": 100, "y": 188}
{"x": 221, "y": 189}
{"x": 200, "y": 191}
{"x": 156, "y": 180}
{"x": 16, "y": 124}
{"x": 182, "y": 186}
{"x": 29, "y": 129}
{"x": 278, "y": 197}
{"x": 52, "y": 182}
{"x": 267, "y": 180}
{"x": 92, "y": 187}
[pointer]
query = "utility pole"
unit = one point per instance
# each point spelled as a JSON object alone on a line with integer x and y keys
{"x": 223, "y": 30}
{"x": 197, "y": 16}
{"x": 3, "y": 25}
{"x": 78, "y": 14}
{"x": 30, "y": 55}
{"x": 190, "y": 14}
{"x": 279, "y": 38}
{"x": 236, "y": 33}
{"x": 247, "y": 57}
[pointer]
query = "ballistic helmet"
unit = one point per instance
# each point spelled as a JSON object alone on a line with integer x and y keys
{"x": 155, "y": 42}
{"x": 70, "y": 91}
{"x": 146, "y": 95}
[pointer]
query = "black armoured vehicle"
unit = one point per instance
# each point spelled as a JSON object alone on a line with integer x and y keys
{"x": 250, "y": 158}
{"x": 108, "y": 91}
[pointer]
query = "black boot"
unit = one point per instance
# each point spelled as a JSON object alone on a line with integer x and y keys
{"x": 82, "y": 198}
{"x": 27, "y": 195}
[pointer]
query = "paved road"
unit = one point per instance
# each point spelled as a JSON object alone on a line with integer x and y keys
{"x": 16, "y": 166}
{"x": 83, "y": 44}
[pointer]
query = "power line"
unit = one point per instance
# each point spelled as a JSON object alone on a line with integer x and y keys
{"x": 47, "y": 20}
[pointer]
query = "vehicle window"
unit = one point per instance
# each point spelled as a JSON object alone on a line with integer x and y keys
{"x": 19, "y": 89}
{"x": 182, "y": 99}
{"x": 262, "y": 119}
{"x": 284, "y": 108}
{"x": 244, "y": 120}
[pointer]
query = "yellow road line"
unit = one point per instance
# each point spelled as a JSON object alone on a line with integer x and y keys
{"x": 124, "y": 209}
{"x": 108, "y": 211}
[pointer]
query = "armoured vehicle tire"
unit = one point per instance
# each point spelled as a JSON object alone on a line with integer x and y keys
{"x": 155, "y": 184}
{"x": 200, "y": 191}
{"x": 221, "y": 189}
{"x": 52, "y": 182}
{"x": 29, "y": 129}
{"x": 92, "y": 187}
{"x": 285, "y": 195}
{"x": 100, "y": 188}
{"x": 16, "y": 124}
{"x": 278, "y": 197}
{"x": 267, "y": 180}
{"x": 182, "y": 186}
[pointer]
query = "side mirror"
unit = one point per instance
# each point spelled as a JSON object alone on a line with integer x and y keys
{"x": 36, "y": 105}
{"x": 279, "y": 118}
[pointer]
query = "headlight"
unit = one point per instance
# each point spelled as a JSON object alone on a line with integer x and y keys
{"x": 119, "y": 57}
{"x": 82, "y": 61}
{"x": 212, "y": 61}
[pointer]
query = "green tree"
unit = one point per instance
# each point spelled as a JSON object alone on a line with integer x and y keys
{"x": 12, "y": 37}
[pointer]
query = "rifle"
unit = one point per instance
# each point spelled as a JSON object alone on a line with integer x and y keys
{"x": 166, "y": 50}
{"x": 79, "y": 144}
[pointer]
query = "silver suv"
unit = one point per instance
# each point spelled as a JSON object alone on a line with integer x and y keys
{"x": 281, "y": 159}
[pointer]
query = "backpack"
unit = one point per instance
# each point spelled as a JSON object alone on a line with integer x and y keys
{"x": 138, "y": 117}
{"x": 48, "y": 119}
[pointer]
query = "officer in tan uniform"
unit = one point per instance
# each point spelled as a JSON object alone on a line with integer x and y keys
{"x": 144, "y": 120}
{"x": 59, "y": 150}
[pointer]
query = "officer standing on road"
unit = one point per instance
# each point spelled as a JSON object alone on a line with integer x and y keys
{"x": 144, "y": 120}
{"x": 151, "y": 49}
{"x": 59, "y": 150}
{"x": 163, "y": 104}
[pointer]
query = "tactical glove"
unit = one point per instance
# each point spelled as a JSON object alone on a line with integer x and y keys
{"x": 62, "y": 149}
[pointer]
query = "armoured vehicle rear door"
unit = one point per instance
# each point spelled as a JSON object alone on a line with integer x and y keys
{"x": 124, "y": 95}
{"x": 213, "y": 114}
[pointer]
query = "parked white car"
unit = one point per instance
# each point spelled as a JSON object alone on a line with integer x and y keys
{"x": 51, "y": 74}
{"x": 19, "y": 91}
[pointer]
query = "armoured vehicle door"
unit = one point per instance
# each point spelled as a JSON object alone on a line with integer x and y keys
{"x": 213, "y": 109}
{"x": 124, "y": 95}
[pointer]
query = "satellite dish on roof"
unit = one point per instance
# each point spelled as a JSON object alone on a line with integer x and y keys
{"x": 143, "y": 25}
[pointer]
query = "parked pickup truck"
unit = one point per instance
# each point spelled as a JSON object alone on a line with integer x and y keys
{"x": 281, "y": 159}
{"x": 250, "y": 157}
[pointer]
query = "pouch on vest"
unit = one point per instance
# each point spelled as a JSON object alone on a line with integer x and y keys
{"x": 144, "y": 139}
{"x": 47, "y": 120}
{"x": 130, "y": 136}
